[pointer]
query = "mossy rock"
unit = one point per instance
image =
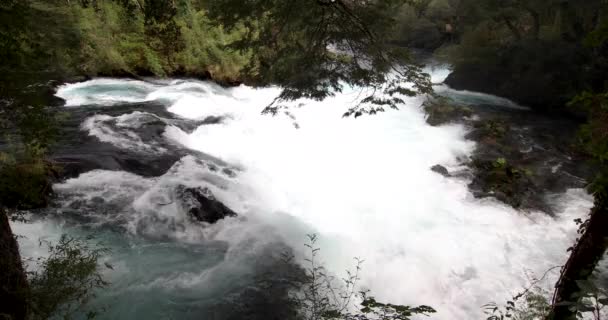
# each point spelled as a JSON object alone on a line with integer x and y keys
{"x": 493, "y": 128}
{"x": 443, "y": 110}
{"x": 26, "y": 185}
{"x": 506, "y": 182}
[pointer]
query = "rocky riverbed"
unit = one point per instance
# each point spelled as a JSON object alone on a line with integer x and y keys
{"x": 523, "y": 158}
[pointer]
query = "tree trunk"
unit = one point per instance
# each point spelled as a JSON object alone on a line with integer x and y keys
{"x": 13, "y": 281}
{"x": 583, "y": 259}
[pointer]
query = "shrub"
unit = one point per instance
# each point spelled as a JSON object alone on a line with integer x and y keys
{"x": 66, "y": 280}
{"x": 319, "y": 297}
{"x": 25, "y": 178}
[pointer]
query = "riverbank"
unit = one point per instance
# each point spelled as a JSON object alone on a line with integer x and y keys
{"x": 523, "y": 157}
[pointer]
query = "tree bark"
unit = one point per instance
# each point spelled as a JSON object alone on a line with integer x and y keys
{"x": 583, "y": 259}
{"x": 13, "y": 281}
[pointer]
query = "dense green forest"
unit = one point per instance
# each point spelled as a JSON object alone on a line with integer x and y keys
{"x": 114, "y": 38}
{"x": 511, "y": 48}
{"x": 546, "y": 54}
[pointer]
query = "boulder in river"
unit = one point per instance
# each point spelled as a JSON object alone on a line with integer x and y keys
{"x": 512, "y": 185}
{"x": 443, "y": 110}
{"x": 441, "y": 170}
{"x": 201, "y": 204}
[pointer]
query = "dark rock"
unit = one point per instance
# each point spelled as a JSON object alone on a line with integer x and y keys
{"x": 229, "y": 172}
{"x": 513, "y": 186}
{"x": 75, "y": 205}
{"x": 77, "y": 153}
{"x": 442, "y": 110}
{"x": 441, "y": 170}
{"x": 73, "y": 165}
{"x": 98, "y": 200}
{"x": 75, "y": 79}
{"x": 521, "y": 157}
{"x": 202, "y": 205}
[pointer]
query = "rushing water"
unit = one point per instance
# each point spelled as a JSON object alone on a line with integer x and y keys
{"x": 363, "y": 185}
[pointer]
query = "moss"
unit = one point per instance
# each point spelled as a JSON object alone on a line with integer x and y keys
{"x": 503, "y": 180}
{"x": 494, "y": 128}
{"x": 66, "y": 280}
{"x": 443, "y": 110}
{"x": 25, "y": 179}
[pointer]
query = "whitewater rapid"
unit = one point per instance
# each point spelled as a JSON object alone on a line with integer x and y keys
{"x": 363, "y": 185}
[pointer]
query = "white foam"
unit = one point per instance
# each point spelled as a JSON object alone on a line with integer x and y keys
{"x": 104, "y": 92}
{"x": 365, "y": 187}
{"x": 99, "y": 127}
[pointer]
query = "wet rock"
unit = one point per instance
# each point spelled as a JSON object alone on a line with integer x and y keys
{"x": 97, "y": 200}
{"x": 201, "y": 204}
{"x": 212, "y": 120}
{"x": 441, "y": 170}
{"x": 76, "y": 205}
{"x": 229, "y": 172}
{"x": 107, "y": 157}
{"x": 491, "y": 129}
{"x": 442, "y": 110}
{"x": 521, "y": 157}
{"x": 507, "y": 183}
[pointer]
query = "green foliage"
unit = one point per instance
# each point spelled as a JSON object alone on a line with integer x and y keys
{"x": 162, "y": 31}
{"x": 478, "y": 44}
{"x": 531, "y": 305}
{"x": 500, "y": 163}
{"x": 315, "y": 49}
{"x": 115, "y": 38}
{"x": 494, "y": 128}
{"x": 66, "y": 281}
{"x": 590, "y": 299}
{"x": 25, "y": 178}
{"x": 319, "y": 297}
{"x": 593, "y": 136}
{"x": 27, "y": 129}
{"x": 12, "y": 38}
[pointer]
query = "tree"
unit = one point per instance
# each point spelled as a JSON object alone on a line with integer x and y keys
{"x": 317, "y": 295}
{"x": 591, "y": 246}
{"x": 162, "y": 29}
{"x": 314, "y": 48}
{"x": 593, "y": 242}
{"x": 13, "y": 282}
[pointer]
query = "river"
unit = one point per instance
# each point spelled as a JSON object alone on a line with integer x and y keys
{"x": 362, "y": 185}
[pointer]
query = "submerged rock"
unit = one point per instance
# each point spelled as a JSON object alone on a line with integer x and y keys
{"x": 201, "y": 204}
{"x": 441, "y": 170}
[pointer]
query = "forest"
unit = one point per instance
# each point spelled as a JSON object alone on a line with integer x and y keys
{"x": 547, "y": 55}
